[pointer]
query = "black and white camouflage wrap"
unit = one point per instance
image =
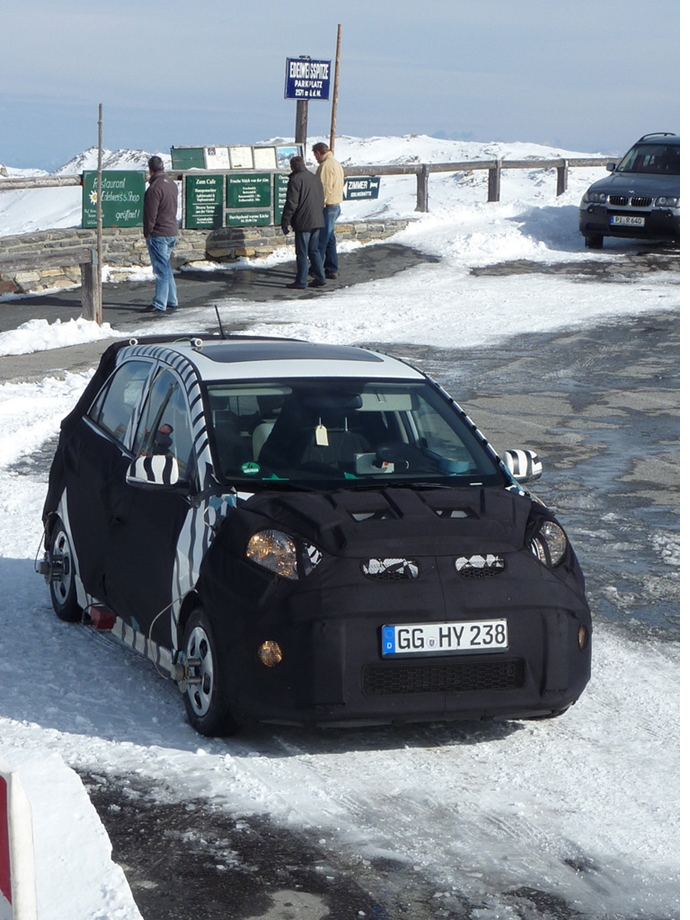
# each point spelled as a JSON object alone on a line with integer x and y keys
{"x": 203, "y": 518}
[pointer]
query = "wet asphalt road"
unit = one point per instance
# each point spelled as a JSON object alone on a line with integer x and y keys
{"x": 601, "y": 405}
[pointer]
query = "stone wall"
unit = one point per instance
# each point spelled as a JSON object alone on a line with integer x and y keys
{"x": 124, "y": 249}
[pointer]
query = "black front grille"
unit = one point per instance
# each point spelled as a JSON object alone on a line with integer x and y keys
{"x": 433, "y": 677}
{"x": 640, "y": 202}
{"x": 618, "y": 200}
{"x": 469, "y": 571}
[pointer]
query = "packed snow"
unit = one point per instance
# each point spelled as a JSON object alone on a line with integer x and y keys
{"x": 479, "y": 810}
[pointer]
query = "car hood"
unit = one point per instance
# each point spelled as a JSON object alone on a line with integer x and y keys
{"x": 638, "y": 184}
{"x": 395, "y": 521}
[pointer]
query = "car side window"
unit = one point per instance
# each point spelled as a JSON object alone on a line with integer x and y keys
{"x": 114, "y": 406}
{"x": 165, "y": 426}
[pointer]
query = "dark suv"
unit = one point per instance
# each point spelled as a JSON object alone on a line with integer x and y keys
{"x": 641, "y": 197}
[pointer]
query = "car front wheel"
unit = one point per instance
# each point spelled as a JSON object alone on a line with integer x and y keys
{"x": 204, "y": 698}
{"x": 594, "y": 242}
{"x": 63, "y": 588}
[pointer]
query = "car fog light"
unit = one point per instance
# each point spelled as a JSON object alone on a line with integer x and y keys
{"x": 583, "y": 637}
{"x": 270, "y": 653}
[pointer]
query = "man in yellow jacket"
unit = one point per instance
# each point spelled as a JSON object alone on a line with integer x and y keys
{"x": 330, "y": 172}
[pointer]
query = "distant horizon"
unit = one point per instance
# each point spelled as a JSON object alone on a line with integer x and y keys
{"x": 265, "y": 140}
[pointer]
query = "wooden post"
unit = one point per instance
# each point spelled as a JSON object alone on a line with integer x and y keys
{"x": 98, "y": 293}
{"x": 562, "y": 178}
{"x": 89, "y": 287}
{"x": 301, "y": 115}
{"x": 423, "y": 189}
{"x": 495, "y": 182}
{"x": 336, "y": 78}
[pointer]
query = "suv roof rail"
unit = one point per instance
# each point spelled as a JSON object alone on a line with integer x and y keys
{"x": 658, "y": 134}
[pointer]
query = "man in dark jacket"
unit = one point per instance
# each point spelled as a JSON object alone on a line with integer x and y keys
{"x": 303, "y": 212}
{"x": 160, "y": 232}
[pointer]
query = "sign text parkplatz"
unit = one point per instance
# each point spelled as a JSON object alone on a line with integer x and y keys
{"x": 307, "y": 79}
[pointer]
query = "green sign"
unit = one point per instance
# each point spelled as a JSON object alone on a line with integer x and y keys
{"x": 249, "y": 191}
{"x": 187, "y": 157}
{"x": 280, "y": 183}
{"x": 203, "y": 202}
{"x": 247, "y": 218}
{"x": 122, "y": 198}
{"x": 361, "y": 187}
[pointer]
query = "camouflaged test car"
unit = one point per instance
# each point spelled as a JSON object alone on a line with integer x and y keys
{"x": 310, "y": 534}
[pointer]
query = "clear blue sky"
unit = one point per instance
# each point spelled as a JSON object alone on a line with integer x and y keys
{"x": 586, "y": 75}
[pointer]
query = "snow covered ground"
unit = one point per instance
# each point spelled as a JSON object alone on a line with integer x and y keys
{"x": 586, "y": 806}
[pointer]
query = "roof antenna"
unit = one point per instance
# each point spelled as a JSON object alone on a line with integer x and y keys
{"x": 220, "y": 325}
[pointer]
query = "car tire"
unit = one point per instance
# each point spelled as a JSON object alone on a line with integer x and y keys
{"x": 594, "y": 242}
{"x": 63, "y": 587}
{"x": 205, "y": 703}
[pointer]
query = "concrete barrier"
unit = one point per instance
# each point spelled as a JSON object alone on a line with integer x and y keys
{"x": 17, "y": 870}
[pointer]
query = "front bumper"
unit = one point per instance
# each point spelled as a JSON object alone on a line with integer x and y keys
{"x": 329, "y": 630}
{"x": 659, "y": 223}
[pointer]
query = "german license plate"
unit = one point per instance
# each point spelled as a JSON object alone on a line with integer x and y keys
{"x": 626, "y": 220}
{"x": 444, "y": 638}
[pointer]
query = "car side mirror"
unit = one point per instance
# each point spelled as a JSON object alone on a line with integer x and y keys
{"x": 155, "y": 471}
{"x": 610, "y": 167}
{"x": 524, "y": 465}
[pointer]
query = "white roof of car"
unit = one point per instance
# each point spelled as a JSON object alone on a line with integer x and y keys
{"x": 260, "y": 359}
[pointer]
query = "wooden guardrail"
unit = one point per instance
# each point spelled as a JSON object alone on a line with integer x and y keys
{"x": 493, "y": 167}
{"x": 26, "y": 182}
{"x": 85, "y": 258}
{"x": 421, "y": 171}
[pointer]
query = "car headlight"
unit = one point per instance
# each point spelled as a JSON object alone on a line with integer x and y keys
{"x": 667, "y": 201}
{"x": 280, "y": 553}
{"x": 594, "y": 197}
{"x": 549, "y": 544}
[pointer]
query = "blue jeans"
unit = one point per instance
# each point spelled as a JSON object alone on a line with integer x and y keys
{"x": 327, "y": 238}
{"x": 308, "y": 255}
{"x": 160, "y": 249}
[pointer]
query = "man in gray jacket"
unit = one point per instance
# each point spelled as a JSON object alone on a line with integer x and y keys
{"x": 303, "y": 212}
{"x": 160, "y": 233}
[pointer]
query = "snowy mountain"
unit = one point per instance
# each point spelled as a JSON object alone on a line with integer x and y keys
{"x": 112, "y": 159}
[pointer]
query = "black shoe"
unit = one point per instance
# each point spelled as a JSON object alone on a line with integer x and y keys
{"x": 316, "y": 283}
{"x": 331, "y": 275}
{"x": 295, "y": 287}
{"x": 151, "y": 309}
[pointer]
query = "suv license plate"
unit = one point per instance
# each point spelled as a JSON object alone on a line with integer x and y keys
{"x": 625, "y": 220}
{"x": 444, "y": 638}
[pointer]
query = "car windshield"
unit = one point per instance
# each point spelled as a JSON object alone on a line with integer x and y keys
{"x": 343, "y": 433}
{"x": 655, "y": 159}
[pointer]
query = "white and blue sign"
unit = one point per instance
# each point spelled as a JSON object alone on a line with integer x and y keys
{"x": 307, "y": 79}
